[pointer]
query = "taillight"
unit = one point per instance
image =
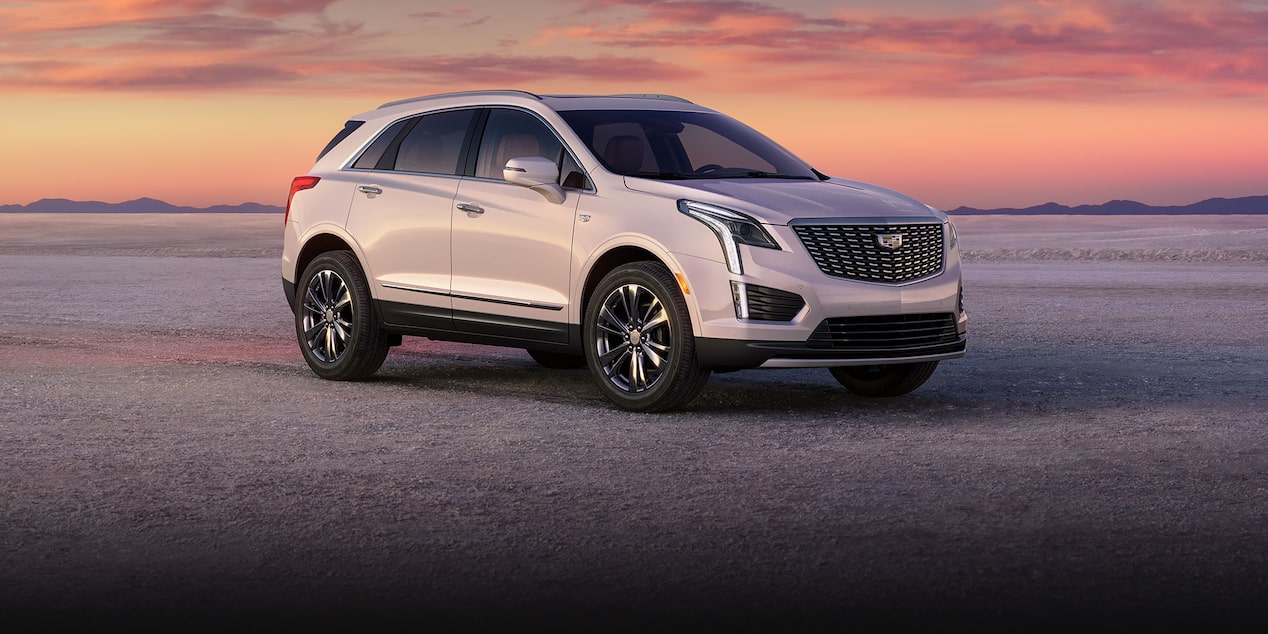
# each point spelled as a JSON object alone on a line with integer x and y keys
{"x": 299, "y": 184}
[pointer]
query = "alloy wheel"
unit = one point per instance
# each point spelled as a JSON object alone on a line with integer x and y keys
{"x": 328, "y": 316}
{"x": 633, "y": 338}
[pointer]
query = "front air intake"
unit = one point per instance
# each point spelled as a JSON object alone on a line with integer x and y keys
{"x": 929, "y": 332}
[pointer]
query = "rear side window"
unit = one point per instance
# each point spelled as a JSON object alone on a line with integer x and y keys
{"x": 349, "y": 127}
{"x": 372, "y": 155}
{"x": 434, "y": 145}
{"x": 430, "y": 144}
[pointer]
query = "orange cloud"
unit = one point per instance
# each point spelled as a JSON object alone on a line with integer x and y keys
{"x": 1051, "y": 49}
{"x": 278, "y": 46}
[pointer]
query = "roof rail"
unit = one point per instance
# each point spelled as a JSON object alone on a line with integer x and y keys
{"x": 460, "y": 93}
{"x": 655, "y": 96}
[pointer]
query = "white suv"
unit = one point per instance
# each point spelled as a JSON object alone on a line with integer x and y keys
{"x": 649, "y": 238}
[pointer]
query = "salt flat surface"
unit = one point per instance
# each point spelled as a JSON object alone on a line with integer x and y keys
{"x": 199, "y": 235}
{"x": 1142, "y": 238}
{"x": 1096, "y": 461}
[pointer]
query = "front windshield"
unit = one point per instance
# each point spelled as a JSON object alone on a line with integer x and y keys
{"x": 681, "y": 145}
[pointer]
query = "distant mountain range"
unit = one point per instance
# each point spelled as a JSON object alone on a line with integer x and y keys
{"x": 1257, "y": 205}
{"x": 138, "y": 206}
{"x": 1212, "y": 206}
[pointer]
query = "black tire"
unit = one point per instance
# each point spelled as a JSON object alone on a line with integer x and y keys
{"x": 884, "y": 380}
{"x": 638, "y": 340}
{"x": 558, "y": 360}
{"x": 335, "y": 320}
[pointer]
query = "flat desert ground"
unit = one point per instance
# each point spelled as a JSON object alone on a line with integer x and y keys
{"x": 1098, "y": 460}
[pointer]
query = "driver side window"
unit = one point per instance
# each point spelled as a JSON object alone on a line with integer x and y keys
{"x": 512, "y": 134}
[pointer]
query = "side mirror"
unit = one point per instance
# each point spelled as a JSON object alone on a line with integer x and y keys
{"x": 536, "y": 173}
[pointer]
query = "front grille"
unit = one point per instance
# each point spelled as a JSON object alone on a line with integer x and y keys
{"x": 854, "y": 252}
{"x": 895, "y": 333}
{"x": 771, "y": 304}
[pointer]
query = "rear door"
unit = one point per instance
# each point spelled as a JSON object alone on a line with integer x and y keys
{"x": 402, "y": 211}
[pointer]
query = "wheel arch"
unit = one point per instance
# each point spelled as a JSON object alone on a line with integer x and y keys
{"x": 300, "y": 250}
{"x": 621, "y": 255}
{"x": 318, "y": 244}
{"x": 613, "y": 258}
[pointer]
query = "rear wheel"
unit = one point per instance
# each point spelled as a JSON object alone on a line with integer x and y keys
{"x": 884, "y": 380}
{"x": 335, "y": 321}
{"x": 638, "y": 339}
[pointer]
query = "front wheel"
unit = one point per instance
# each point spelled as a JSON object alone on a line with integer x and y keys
{"x": 335, "y": 322}
{"x": 884, "y": 380}
{"x": 638, "y": 340}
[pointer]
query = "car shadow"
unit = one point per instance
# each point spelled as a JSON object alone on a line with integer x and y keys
{"x": 987, "y": 383}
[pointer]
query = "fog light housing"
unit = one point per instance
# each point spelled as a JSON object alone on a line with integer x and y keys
{"x": 763, "y": 303}
{"x": 739, "y": 297}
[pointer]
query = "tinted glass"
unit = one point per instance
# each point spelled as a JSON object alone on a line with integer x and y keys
{"x": 677, "y": 145}
{"x": 434, "y": 145}
{"x": 514, "y": 134}
{"x": 348, "y": 128}
{"x": 370, "y": 158}
{"x": 571, "y": 175}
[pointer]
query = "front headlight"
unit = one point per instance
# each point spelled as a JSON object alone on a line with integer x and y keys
{"x": 954, "y": 237}
{"x": 732, "y": 228}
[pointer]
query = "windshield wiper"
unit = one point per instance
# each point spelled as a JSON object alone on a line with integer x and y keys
{"x": 667, "y": 176}
{"x": 675, "y": 176}
{"x": 756, "y": 174}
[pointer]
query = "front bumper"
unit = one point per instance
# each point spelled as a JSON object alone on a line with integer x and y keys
{"x": 734, "y": 354}
{"x": 716, "y": 316}
{"x": 843, "y": 322}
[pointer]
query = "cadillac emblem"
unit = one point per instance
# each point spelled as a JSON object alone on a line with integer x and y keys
{"x": 890, "y": 240}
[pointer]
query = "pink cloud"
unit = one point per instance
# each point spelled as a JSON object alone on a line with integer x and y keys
{"x": 222, "y": 44}
{"x": 205, "y": 76}
{"x": 1056, "y": 48}
{"x": 1051, "y": 49}
{"x": 501, "y": 69}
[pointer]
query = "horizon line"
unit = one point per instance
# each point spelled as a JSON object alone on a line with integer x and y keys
{"x": 283, "y": 207}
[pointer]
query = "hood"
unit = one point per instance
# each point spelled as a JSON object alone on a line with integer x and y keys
{"x": 777, "y": 202}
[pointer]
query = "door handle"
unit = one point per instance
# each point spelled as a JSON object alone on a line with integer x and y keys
{"x": 470, "y": 208}
{"x": 371, "y": 190}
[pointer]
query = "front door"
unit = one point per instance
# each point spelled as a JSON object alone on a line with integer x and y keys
{"x": 511, "y": 248}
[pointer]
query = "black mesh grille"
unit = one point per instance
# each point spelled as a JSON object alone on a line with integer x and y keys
{"x": 888, "y": 332}
{"x": 855, "y": 252}
{"x": 772, "y": 304}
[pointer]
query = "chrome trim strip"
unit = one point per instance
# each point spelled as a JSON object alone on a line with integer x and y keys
{"x": 417, "y": 289}
{"x": 892, "y": 220}
{"x": 832, "y": 363}
{"x": 890, "y": 284}
{"x": 510, "y": 302}
{"x": 478, "y": 298}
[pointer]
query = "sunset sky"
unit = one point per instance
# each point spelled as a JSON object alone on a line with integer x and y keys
{"x": 987, "y": 103}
